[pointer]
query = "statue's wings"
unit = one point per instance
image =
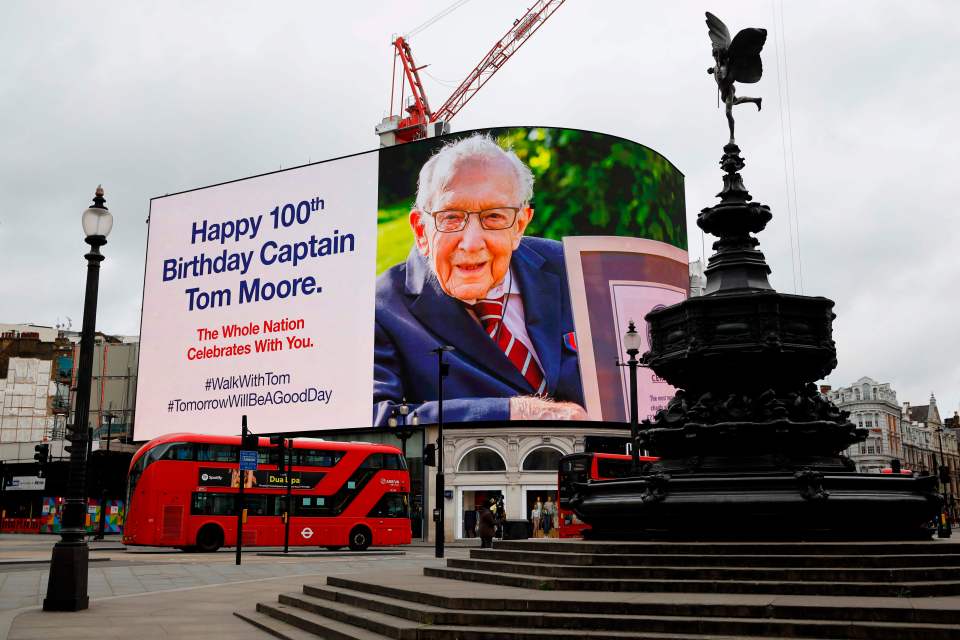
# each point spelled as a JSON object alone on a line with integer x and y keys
{"x": 719, "y": 35}
{"x": 743, "y": 56}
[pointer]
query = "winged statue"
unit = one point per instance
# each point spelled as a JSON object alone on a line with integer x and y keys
{"x": 737, "y": 60}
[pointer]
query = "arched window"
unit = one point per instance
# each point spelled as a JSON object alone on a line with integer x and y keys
{"x": 482, "y": 459}
{"x": 542, "y": 459}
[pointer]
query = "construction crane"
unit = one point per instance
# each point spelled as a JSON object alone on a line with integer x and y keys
{"x": 420, "y": 121}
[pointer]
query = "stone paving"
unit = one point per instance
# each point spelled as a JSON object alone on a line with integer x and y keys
{"x": 146, "y": 594}
{"x": 166, "y": 593}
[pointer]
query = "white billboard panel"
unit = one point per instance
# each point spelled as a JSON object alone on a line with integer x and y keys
{"x": 258, "y": 300}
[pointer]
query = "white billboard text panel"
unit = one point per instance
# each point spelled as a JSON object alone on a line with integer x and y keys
{"x": 258, "y": 300}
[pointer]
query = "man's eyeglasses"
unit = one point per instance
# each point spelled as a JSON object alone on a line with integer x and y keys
{"x": 454, "y": 220}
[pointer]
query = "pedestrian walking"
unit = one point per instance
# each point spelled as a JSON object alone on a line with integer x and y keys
{"x": 548, "y": 517}
{"x": 486, "y": 529}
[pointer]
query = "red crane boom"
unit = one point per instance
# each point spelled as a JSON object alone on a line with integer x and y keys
{"x": 421, "y": 122}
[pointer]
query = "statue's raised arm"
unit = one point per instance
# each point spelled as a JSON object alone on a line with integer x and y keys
{"x": 736, "y": 60}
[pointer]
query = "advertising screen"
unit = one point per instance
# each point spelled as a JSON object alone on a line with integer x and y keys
{"x": 314, "y": 298}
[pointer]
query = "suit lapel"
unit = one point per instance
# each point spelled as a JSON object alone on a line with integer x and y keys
{"x": 447, "y": 318}
{"x": 540, "y": 290}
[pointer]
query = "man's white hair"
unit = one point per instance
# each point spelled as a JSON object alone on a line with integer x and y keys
{"x": 438, "y": 170}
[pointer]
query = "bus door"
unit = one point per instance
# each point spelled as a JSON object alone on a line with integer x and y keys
{"x": 260, "y": 521}
{"x": 313, "y": 522}
{"x": 391, "y": 518}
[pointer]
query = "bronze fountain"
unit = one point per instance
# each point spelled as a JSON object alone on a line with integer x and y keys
{"x": 748, "y": 447}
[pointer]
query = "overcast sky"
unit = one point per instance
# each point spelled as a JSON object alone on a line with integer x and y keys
{"x": 159, "y": 97}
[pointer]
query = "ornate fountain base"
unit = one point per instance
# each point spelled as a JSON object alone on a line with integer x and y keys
{"x": 749, "y": 448}
{"x": 827, "y": 502}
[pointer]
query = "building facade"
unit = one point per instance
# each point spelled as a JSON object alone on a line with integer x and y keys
{"x": 38, "y": 373}
{"x": 113, "y": 388}
{"x": 872, "y": 406}
{"x": 519, "y": 464}
{"x": 698, "y": 278}
{"x": 928, "y": 443}
{"x": 35, "y": 365}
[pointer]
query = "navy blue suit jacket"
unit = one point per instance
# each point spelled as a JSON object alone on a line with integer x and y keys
{"x": 414, "y": 316}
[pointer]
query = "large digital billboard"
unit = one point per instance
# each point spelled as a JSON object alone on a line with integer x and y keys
{"x": 313, "y": 298}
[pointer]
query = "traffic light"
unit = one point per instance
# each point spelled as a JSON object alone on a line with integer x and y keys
{"x": 76, "y": 440}
{"x": 430, "y": 455}
{"x": 41, "y": 456}
{"x": 42, "y": 453}
{"x": 280, "y": 443}
{"x": 249, "y": 441}
{"x": 944, "y": 473}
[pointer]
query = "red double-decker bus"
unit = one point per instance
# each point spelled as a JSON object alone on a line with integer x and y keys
{"x": 581, "y": 467}
{"x": 182, "y": 492}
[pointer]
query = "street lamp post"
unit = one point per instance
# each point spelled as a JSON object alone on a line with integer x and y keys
{"x": 632, "y": 343}
{"x": 67, "y": 582}
{"x": 442, "y": 370}
{"x": 398, "y": 422}
{"x": 943, "y": 523}
{"x": 288, "y": 451}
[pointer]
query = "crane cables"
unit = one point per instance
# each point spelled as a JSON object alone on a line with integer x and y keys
{"x": 443, "y": 14}
{"x": 787, "y": 147}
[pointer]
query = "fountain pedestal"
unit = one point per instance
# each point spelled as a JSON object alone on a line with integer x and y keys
{"x": 748, "y": 447}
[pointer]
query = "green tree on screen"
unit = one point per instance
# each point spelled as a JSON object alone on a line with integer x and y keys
{"x": 592, "y": 184}
{"x": 586, "y": 184}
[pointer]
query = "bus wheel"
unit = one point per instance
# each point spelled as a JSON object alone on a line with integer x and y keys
{"x": 209, "y": 538}
{"x": 360, "y": 539}
{"x": 334, "y": 547}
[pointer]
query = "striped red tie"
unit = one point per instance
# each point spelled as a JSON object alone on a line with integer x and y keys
{"x": 490, "y": 313}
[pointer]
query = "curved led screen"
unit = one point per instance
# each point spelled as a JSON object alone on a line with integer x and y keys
{"x": 313, "y": 298}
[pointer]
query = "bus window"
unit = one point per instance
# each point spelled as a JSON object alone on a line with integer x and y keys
{"x": 217, "y": 453}
{"x": 373, "y": 461}
{"x": 317, "y": 458}
{"x": 312, "y": 506}
{"x": 394, "y": 461}
{"x": 613, "y": 468}
{"x": 160, "y": 452}
{"x": 213, "y": 504}
{"x": 391, "y": 505}
{"x": 390, "y": 461}
{"x": 135, "y": 472}
{"x": 223, "y": 504}
{"x": 179, "y": 451}
{"x": 271, "y": 455}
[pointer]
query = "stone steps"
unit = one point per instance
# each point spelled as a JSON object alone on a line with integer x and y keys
{"x": 721, "y": 573}
{"x": 736, "y": 560}
{"x": 832, "y": 610}
{"x": 340, "y": 612}
{"x": 290, "y": 623}
{"x": 864, "y": 589}
{"x": 929, "y": 548}
{"x": 533, "y": 590}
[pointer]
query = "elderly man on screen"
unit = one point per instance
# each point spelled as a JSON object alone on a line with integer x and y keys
{"x": 474, "y": 282}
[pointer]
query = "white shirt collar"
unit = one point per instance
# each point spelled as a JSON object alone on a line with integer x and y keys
{"x": 498, "y": 290}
